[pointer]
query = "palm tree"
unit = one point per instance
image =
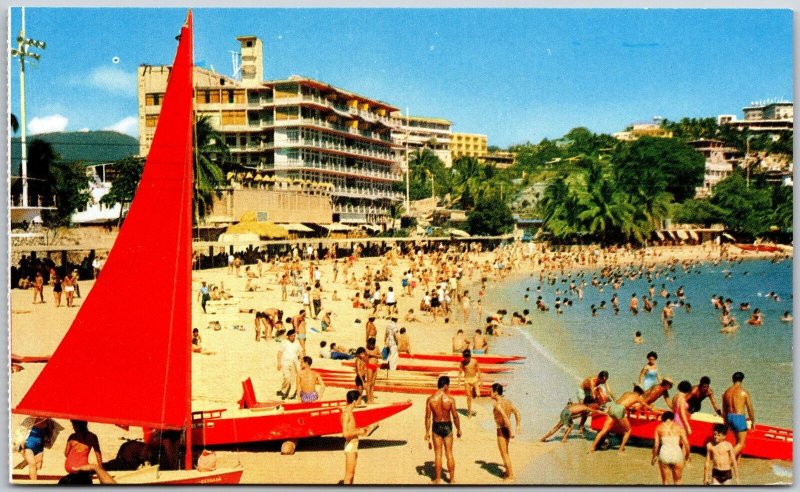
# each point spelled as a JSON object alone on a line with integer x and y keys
{"x": 211, "y": 157}
{"x": 13, "y": 122}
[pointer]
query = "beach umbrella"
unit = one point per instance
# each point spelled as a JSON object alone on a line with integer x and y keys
{"x": 249, "y": 176}
{"x": 230, "y": 175}
{"x": 257, "y": 177}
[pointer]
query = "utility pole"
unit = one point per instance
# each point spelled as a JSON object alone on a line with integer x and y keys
{"x": 22, "y": 52}
{"x": 408, "y": 167}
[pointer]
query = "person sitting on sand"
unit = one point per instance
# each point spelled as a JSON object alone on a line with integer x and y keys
{"x": 617, "y": 412}
{"x": 409, "y": 317}
{"x": 568, "y": 415}
{"x": 403, "y": 342}
{"x": 479, "y": 344}
{"x": 79, "y": 445}
{"x": 325, "y": 323}
{"x": 307, "y": 381}
{"x": 460, "y": 342}
{"x": 721, "y": 466}
{"x": 197, "y": 343}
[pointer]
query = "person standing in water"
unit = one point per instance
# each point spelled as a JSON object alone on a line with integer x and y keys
{"x": 735, "y": 401}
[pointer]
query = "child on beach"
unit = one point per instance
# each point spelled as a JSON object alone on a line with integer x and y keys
{"x": 570, "y": 413}
{"x": 721, "y": 466}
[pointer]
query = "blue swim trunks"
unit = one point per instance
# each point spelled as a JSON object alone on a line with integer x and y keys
{"x": 737, "y": 422}
{"x": 478, "y": 351}
{"x": 35, "y": 441}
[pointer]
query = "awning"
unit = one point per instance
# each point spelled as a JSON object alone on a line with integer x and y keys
{"x": 457, "y": 232}
{"x": 682, "y": 234}
{"x": 336, "y": 227}
{"x": 296, "y": 228}
{"x": 659, "y": 235}
{"x": 694, "y": 236}
{"x": 372, "y": 227}
{"x": 669, "y": 235}
{"x": 728, "y": 236}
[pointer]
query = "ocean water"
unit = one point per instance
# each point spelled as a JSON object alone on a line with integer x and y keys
{"x": 564, "y": 349}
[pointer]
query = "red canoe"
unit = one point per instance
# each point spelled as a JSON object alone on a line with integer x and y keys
{"x": 404, "y": 388}
{"x": 257, "y": 421}
{"x": 436, "y": 369}
{"x": 758, "y": 247}
{"x": 483, "y": 359}
{"x": 763, "y": 441}
{"x": 22, "y": 359}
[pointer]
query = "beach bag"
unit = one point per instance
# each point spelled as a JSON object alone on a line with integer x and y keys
{"x": 385, "y": 353}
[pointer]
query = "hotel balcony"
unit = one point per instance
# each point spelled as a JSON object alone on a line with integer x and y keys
{"x": 318, "y": 122}
{"x": 340, "y": 108}
{"x": 336, "y": 169}
{"x": 368, "y": 193}
{"x": 37, "y": 202}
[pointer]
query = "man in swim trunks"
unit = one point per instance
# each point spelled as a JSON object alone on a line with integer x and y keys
{"x": 472, "y": 378}
{"x": 479, "y": 344}
{"x": 568, "y": 414}
{"x": 734, "y": 402}
{"x": 307, "y": 381}
{"x": 299, "y": 324}
{"x": 617, "y": 413}
{"x": 79, "y": 445}
{"x": 440, "y": 414}
{"x": 699, "y": 393}
{"x": 590, "y": 392}
{"x": 721, "y": 465}
{"x": 351, "y": 434}
{"x": 460, "y": 342}
{"x": 503, "y": 410}
{"x": 660, "y": 390}
{"x": 361, "y": 369}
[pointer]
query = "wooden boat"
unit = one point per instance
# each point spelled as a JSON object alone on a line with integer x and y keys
{"x": 136, "y": 370}
{"x": 763, "y": 441}
{"x": 397, "y": 384}
{"x": 764, "y": 248}
{"x": 436, "y": 368}
{"x": 483, "y": 359}
{"x": 24, "y": 359}
{"x": 256, "y": 421}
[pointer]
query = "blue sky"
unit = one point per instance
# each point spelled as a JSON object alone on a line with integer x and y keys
{"x": 514, "y": 74}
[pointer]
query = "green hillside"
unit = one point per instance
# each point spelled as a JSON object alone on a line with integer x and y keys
{"x": 95, "y": 147}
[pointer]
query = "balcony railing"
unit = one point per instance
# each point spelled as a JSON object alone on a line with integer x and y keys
{"x": 350, "y": 170}
{"x": 368, "y": 193}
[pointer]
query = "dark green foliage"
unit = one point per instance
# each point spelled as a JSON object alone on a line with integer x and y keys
{"x": 95, "y": 147}
{"x": 128, "y": 173}
{"x": 71, "y": 186}
{"x": 490, "y": 218}
{"x": 699, "y": 212}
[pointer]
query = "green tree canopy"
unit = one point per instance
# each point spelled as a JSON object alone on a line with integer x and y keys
{"x": 128, "y": 173}
{"x": 490, "y": 218}
{"x": 700, "y": 212}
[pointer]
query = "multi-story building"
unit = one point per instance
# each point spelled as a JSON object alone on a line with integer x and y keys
{"x": 763, "y": 117}
{"x": 297, "y": 129}
{"x": 644, "y": 129}
{"x": 468, "y": 145}
{"x": 418, "y": 132}
{"x": 720, "y": 161}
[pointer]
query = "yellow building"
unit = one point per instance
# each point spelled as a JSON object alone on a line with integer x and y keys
{"x": 469, "y": 145}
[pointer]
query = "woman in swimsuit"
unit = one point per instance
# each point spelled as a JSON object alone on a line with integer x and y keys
{"x": 79, "y": 444}
{"x": 649, "y": 377}
{"x": 670, "y": 449}
{"x": 57, "y": 290}
{"x": 33, "y": 448}
{"x": 373, "y": 355}
{"x": 69, "y": 289}
{"x": 680, "y": 406}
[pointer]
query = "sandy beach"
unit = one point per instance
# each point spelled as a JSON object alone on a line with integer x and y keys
{"x": 395, "y": 453}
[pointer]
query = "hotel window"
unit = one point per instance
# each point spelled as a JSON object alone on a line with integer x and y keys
{"x": 151, "y": 120}
{"x": 235, "y": 96}
{"x": 292, "y": 134}
{"x": 207, "y": 97}
{"x": 153, "y": 99}
{"x": 234, "y": 118}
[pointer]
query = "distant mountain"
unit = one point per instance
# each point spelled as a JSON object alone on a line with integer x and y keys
{"x": 95, "y": 147}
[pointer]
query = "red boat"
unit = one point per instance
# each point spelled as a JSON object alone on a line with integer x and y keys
{"x": 257, "y": 421}
{"x": 763, "y": 441}
{"x": 22, "y": 359}
{"x": 434, "y": 369}
{"x": 759, "y": 247}
{"x": 404, "y": 388}
{"x": 483, "y": 359}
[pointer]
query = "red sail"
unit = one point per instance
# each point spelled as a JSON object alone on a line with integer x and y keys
{"x": 126, "y": 357}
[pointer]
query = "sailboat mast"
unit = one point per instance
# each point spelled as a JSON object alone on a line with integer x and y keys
{"x": 188, "y": 223}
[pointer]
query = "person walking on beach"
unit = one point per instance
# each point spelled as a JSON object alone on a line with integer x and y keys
{"x": 351, "y": 434}
{"x": 503, "y": 410}
{"x": 40, "y": 437}
{"x": 203, "y": 295}
{"x": 307, "y": 381}
{"x": 38, "y": 288}
{"x": 472, "y": 378}
{"x": 735, "y": 401}
{"x": 299, "y": 324}
{"x": 670, "y": 449}
{"x": 440, "y": 415}
{"x": 391, "y": 341}
{"x": 288, "y": 358}
{"x": 721, "y": 465}
{"x": 57, "y": 290}
{"x": 69, "y": 289}
{"x": 617, "y": 413}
